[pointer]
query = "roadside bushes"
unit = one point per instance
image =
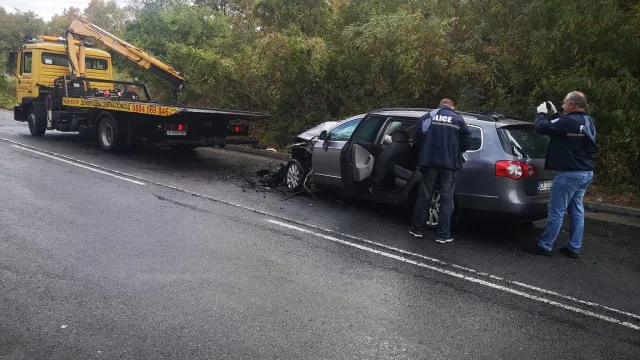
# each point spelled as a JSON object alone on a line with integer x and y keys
{"x": 305, "y": 62}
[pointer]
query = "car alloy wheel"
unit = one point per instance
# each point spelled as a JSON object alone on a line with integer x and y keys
{"x": 293, "y": 176}
{"x": 434, "y": 209}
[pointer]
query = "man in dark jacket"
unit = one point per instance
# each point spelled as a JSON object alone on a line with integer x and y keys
{"x": 442, "y": 136}
{"x": 570, "y": 155}
{"x": 131, "y": 93}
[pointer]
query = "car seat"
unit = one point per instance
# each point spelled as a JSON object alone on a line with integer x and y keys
{"x": 396, "y": 153}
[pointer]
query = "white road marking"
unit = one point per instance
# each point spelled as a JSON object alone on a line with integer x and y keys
{"x": 352, "y": 237}
{"x": 458, "y": 275}
{"x": 78, "y": 165}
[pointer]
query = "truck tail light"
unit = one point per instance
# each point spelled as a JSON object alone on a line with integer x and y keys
{"x": 515, "y": 170}
{"x": 178, "y": 127}
{"x": 238, "y": 130}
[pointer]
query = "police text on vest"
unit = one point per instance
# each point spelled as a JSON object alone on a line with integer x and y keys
{"x": 442, "y": 118}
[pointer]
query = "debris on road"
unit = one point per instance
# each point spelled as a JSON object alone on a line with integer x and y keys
{"x": 273, "y": 179}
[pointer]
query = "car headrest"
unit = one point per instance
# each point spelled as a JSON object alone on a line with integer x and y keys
{"x": 399, "y": 136}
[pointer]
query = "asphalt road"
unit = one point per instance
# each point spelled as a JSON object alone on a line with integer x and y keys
{"x": 153, "y": 255}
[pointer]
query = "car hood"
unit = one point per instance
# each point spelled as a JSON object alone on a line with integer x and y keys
{"x": 316, "y": 130}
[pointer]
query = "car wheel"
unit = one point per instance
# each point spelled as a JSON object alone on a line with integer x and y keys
{"x": 295, "y": 175}
{"x": 434, "y": 210}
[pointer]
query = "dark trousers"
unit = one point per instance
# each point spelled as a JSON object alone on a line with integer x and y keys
{"x": 446, "y": 188}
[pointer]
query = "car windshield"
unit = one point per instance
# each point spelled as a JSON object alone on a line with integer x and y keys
{"x": 523, "y": 141}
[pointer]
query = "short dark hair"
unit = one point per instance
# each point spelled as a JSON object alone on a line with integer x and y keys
{"x": 578, "y": 98}
{"x": 447, "y": 102}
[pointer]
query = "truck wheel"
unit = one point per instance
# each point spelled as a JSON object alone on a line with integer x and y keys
{"x": 37, "y": 127}
{"x": 109, "y": 136}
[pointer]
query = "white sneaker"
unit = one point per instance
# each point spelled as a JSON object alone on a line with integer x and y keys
{"x": 416, "y": 233}
{"x": 443, "y": 241}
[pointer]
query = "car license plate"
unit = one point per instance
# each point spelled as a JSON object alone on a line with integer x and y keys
{"x": 176, "y": 132}
{"x": 545, "y": 185}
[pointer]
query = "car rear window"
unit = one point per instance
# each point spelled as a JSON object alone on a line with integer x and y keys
{"x": 523, "y": 141}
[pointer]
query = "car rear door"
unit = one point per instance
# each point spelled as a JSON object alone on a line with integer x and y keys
{"x": 358, "y": 155}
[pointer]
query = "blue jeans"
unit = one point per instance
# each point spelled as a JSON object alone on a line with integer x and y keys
{"x": 421, "y": 212}
{"x": 567, "y": 193}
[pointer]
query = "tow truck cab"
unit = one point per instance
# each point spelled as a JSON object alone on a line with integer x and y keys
{"x": 39, "y": 62}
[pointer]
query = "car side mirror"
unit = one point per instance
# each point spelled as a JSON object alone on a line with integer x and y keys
{"x": 323, "y": 135}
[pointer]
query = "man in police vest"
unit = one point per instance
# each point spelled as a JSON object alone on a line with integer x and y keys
{"x": 570, "y": 155}
{"x": 442, "y": 136}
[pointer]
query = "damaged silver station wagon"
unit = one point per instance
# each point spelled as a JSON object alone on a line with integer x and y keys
{"x": 373, "y": 156}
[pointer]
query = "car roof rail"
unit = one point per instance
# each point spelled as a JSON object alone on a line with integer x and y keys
{"x": 494, "y": 116}
{"x": 480, "y": 114}
{"x": 401, "y": 109}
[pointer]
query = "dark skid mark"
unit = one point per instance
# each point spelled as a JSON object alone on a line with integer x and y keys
{"x": 191, "y": 207}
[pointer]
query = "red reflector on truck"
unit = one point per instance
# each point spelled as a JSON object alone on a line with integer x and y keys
{"x": 238, "y": 129}
{"x": 178, "y": 127}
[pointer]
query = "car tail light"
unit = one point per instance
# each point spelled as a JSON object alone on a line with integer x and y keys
{"x": 515, "y": 170}
{"x": 180, "y": 127}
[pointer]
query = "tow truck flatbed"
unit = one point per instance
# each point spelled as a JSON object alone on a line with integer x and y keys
{"x": 156, "y": 109}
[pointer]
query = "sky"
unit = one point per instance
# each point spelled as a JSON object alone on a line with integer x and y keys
{"x": 47, "y": 8}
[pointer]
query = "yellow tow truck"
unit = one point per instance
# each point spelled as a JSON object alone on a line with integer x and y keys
{"x": 64, "y": 84}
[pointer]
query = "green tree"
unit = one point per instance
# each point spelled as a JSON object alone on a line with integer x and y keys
{"x": 308, "y": 61}
{"x": 107, "y": 15}
{"x": 59, "y": 23}
{"x": 14, "y": 26}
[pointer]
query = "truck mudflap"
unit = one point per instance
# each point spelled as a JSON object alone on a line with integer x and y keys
{"x": 18, "y": 114}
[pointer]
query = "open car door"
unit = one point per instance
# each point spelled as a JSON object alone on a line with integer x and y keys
{"x": 358, "y": 156}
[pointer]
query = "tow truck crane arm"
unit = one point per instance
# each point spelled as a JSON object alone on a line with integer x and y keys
{"x": 84, "y": 29}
